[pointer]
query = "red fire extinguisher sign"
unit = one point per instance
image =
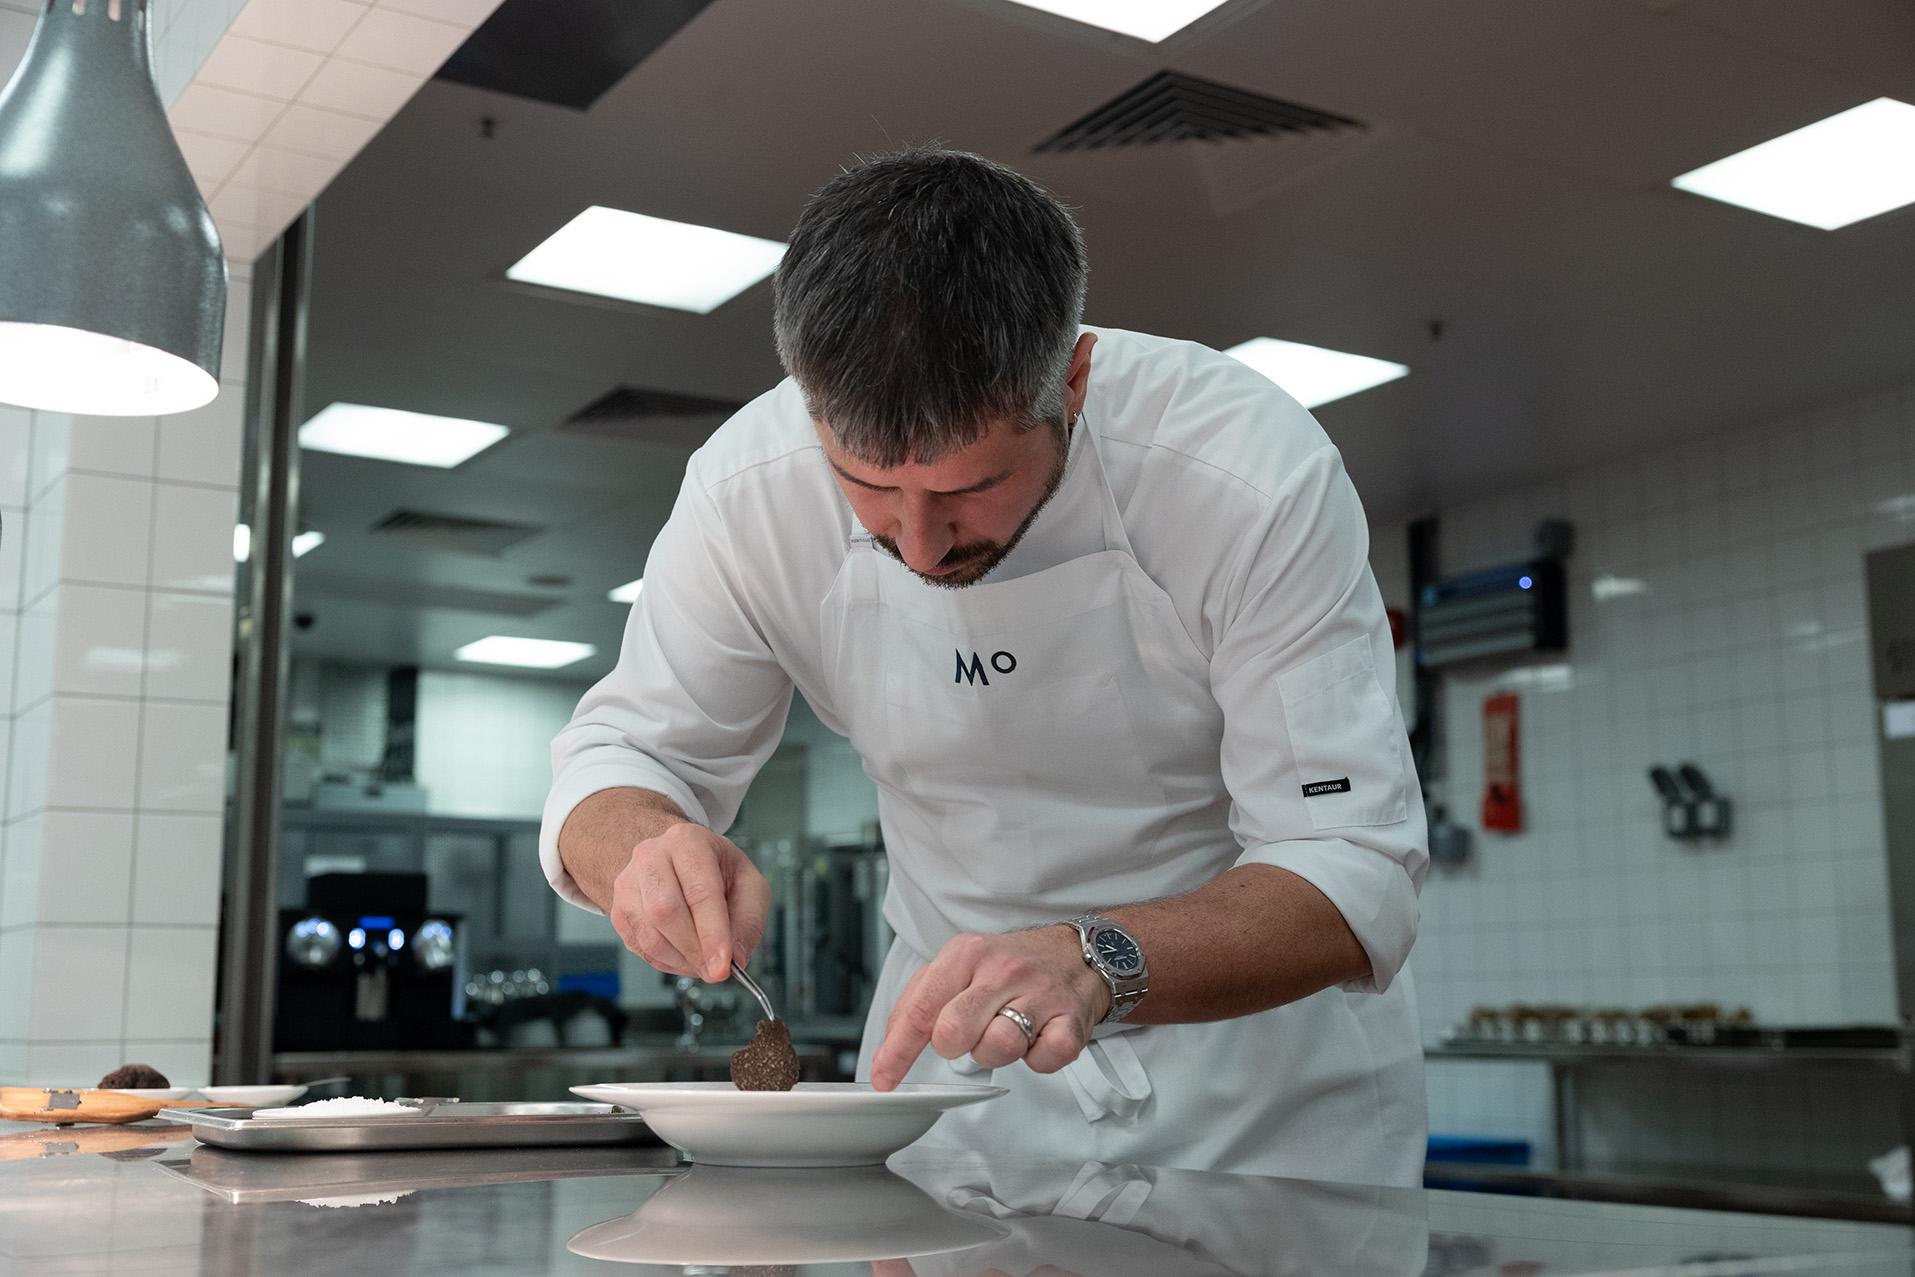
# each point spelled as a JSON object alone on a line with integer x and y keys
{"x": 1502, "y": 777}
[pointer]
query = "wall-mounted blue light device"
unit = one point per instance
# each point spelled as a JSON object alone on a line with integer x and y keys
{"x": 112, "y": 282}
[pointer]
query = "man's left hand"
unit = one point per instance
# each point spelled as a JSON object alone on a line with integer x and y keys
{"x": 952, "y": 1004}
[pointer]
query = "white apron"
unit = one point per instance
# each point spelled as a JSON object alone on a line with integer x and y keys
{"x": 1048, "y": 746}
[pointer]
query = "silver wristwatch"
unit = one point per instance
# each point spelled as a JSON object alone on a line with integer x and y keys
{"x": 1114, "y": 953}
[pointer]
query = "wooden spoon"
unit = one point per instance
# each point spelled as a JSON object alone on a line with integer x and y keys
{"x": 25, "y": 1104}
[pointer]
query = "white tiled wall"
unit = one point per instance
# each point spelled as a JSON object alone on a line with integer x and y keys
{"x": 116, "y": 571}
{"x": 116, "y": 578}
{"x": 1742, "y": 649}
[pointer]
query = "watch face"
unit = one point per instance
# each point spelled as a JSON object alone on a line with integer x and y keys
{"x": 1117, "y": 951}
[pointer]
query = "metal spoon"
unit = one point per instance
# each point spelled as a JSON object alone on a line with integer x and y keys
{"x": 739, "y": 974}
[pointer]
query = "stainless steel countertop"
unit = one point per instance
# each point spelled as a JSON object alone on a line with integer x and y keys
{"x": 176, "y": 1207}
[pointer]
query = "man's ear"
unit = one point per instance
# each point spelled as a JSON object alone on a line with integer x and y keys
{"x": 1077, "y": 381}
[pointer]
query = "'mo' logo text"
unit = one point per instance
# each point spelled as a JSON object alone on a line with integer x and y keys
{"x": 973, "y": 672}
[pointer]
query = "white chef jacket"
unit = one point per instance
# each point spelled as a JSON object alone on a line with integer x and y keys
{"x": 1233, "y": 503}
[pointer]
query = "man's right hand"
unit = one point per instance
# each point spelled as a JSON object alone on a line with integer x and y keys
{"x": 681, "y": 897}
{"x": 690, "y": 902}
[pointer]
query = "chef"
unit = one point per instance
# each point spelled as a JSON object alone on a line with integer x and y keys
{"x": 1095, "y": 609}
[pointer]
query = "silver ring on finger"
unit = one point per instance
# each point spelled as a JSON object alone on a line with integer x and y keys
{"x": 1023, "y": 1023}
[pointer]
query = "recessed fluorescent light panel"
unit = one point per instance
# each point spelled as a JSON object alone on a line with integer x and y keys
{"x": 1312, "y": 374}
{"x": 628, "y": 592}
{"x": 636, "y": 258}
{"x": 306, "y": 542}
{"x": 1151, "y": 20}
{"x": 1828, "y": 174}
{"x": 538, "y": 654}
{"x": 387, "y": 434}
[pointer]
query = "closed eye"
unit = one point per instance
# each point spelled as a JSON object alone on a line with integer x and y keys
{"x": 982, "y": 486}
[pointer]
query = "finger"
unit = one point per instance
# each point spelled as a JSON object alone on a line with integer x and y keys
{"x": 999, "y": 979}
{"x": 660, "y": 953}
{"x": 1002, "y": 1043}
{"x": 664, "y": 910}
{"x": 749, "y": 897}
{"x": 1060, "y": 1041}
{"x": 703, "y": 888}
{"x": 915, "y": 1017}
{"x": 643, "y": 939}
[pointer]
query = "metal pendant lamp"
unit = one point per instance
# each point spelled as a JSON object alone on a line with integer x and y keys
{"x": 112, "y": 282}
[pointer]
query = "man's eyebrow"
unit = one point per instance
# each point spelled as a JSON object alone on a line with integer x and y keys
{"x": 981, "y": 486}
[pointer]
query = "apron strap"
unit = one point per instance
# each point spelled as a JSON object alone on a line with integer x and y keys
{"x": 1109, "y": 1080}
{"x": 1105, "y": 1194}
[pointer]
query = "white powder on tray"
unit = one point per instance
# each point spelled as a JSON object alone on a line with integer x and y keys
{"x": 345, "y": 1106}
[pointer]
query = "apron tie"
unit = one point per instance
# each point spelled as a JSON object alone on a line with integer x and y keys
{"x": 1105, "y": 1194}
{"x": 1100, "y": 1193}
{"x": 1109, "y": 1080}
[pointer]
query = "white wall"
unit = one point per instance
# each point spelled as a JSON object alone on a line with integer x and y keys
{"x": 1745, "y": 652}
{"x": 116, "y": 578}
{"x": 484, "y": 741}
{"x": 841, "y": 802}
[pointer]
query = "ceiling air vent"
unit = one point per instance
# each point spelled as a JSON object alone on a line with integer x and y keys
{"x": 454, "y": 532}
{"x": 651, "y": 416}
{"x": 1169, "y": 107}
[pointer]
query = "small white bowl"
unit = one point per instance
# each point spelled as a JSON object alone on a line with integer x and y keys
{"x": 152, "y": 1092}
{"x": 259, "y": 1097}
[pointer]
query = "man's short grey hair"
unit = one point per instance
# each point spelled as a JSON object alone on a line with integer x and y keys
{"x": 925, "y": 295}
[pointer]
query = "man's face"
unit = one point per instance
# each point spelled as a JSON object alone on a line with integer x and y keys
{"x": 954, "y": 519}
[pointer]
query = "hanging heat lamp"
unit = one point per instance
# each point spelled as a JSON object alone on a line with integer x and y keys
{"x": 112, "y": 281}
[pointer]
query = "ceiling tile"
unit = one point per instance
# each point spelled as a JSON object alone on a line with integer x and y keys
{"x": 316, "y": 25}
{"x": 244, "y": 244}
{"x": 286, "y": 172}
{"x": 253, "y": 66}
{"x": 250, "y": 207}
{"x": 402, "y": 42}
{"x": 463, "y": 13}
{"x": 224, "y": 113}
{"x": 358, "y": 89}
{"x": 211, "y": 159}
{"x": 326, "y": 133}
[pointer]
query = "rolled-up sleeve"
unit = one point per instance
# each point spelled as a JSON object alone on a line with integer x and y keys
{"x": 697, "y": 701}
{"x": 1314, "y": 751}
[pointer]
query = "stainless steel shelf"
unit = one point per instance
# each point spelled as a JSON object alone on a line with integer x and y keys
{"x": 1871, "y": 1059}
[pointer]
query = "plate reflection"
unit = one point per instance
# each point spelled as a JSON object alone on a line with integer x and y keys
{"x": 720, "y": 1217}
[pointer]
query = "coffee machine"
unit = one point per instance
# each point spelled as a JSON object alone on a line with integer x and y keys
{"x": 366, "y": 967}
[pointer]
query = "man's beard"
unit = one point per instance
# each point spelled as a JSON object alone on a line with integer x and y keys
{"x": 971, "y": 563}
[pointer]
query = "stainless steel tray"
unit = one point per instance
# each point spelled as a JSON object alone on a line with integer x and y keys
{"x": 451, "y": 1125}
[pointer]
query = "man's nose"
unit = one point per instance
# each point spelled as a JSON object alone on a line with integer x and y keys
{"x": 924, "y": 537}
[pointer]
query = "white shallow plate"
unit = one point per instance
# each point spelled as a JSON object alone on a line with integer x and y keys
{"x": 152, "y": 1092}
{"x": 818, "y": 1124}
{"x": 261, "y": 1097}
{"x": 716, "y": 1217}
